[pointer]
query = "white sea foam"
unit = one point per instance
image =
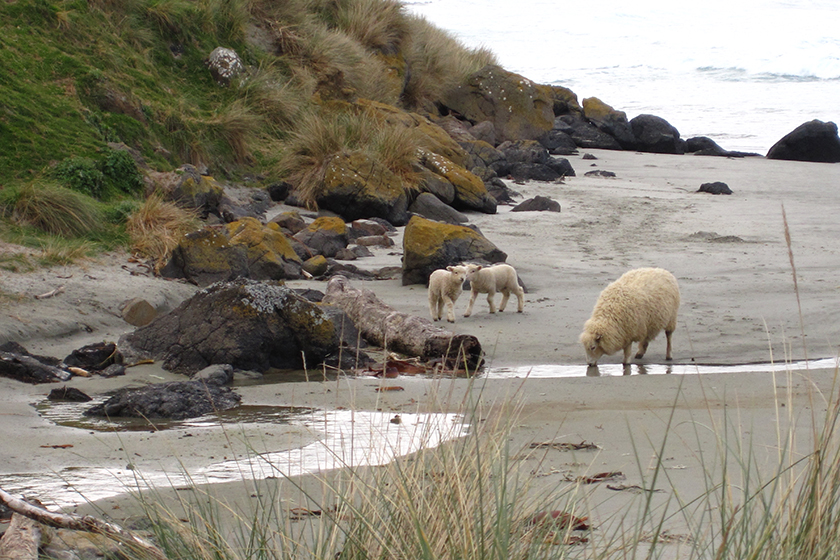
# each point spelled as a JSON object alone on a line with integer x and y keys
{"x": 745, "y": 73}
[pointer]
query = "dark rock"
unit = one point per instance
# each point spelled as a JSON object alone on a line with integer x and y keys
{"x": 470, "y": 192}
{"x": 585, "y": 134}
{"x": 375, "y": 241}
{"x": 217, "y": 374}
{"x": 246, "y": 203}
{"x": 588, "y": 156}
{"x": 485, "y": 131}
{"x": 558, "y": 143}
{"x": 289, "y": 221}
{"x": 533, "y": 172}
{"x": 364, "y": 228}
{"x": 565, "y": 101}
{"x": 599, "y": 173}
{"x": 95, "y": 357}
{"x": 517, "y": 107}
{"x": 429, "y": 245}
{"x": 483, "y": 154}
{"x": 609, "y": 120}
{"x": 433, "y": 183}
{"x": 361, "y": 251}
{"x": 430, "y": 206}
{"x": 175, "y": 400}
{"x": 537, "y": 204}
{"x": 316, "y": 266}
{"x": 654, "y": 134}
{"x": 562, "y": 166}
{"x": 500, "y": 191}
{"x": 188, "y": 188}
{"x": 279, "y": 191}
{"x": 704, "y": 146}
{"x": 715, "y": 188}
{"x": 68, "y": 394}
{"x": 346, "y": 255}
{"x": 815, "y": 141}
{"x": 247, "y": 324}
{"x": 29, "y": 369}
{"x": 524, "y": 151}
{"x": 114, "y": 370}
{"x": 310, "y": 294}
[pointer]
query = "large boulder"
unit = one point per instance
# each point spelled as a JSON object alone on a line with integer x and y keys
{"x": 585, "y": 134}
{"x": 429, "y": 206}
{"x": 176, "y": 400}
{"x": 357, "y": 186}
{"x": 431, "y": 182}
{"x": 325, "y": 236}
{"x": 558, "y": 143}
{"x": 470, "y": 191}
{"x": 654, "y": 134}
{"x": 429, "y": 245}
{"x": 244, "y": 248}
{"x": 518, "y": 108}
{"x": 188, "y": 188}
{"x": 565, "y": 101}
{"x": 609, "y": 120}
{"x": 247, "y": 324}
{"x": 812, "y": 141}
{"x": 17, "y": 363}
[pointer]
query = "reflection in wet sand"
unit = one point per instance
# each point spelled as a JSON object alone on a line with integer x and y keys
{"x": 345, "y": 438}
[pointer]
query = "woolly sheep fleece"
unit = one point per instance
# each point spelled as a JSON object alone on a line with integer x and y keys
{"x": 634, "y": 308}
{"x": 444, "y": 288}
{"x": 491, "y": 279}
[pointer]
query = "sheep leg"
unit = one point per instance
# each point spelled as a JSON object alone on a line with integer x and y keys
{"x": 434, "y": 308}
{"x": 643, "y": 346}
{"x": 627, "y": 351}
{"x": 668, "y": 348}
{"x": 505, "y": 298}
{"x": 473, "y": 295}
{"x": 520, "y": 295}
{"x": 450, "y": 309}
{"x": 490, "y": 301}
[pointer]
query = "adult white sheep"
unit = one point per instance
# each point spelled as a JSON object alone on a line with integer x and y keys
{"x": 444, "y": 288}
{"x": 491, "y": 279}
{"x": 634, "y": 308}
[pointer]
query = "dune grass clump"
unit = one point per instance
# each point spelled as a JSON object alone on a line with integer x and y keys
{"x": 157, "y": 226}
{"x": 52, "y": 209}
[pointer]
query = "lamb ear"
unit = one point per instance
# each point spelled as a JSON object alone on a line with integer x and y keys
{"x": 450, "y": 268}
{"x": 597, "y": 338}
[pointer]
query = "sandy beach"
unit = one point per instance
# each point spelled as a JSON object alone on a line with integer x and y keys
{"x": 739, "y": 307}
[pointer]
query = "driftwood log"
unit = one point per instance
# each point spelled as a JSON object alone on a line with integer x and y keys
{"x": 407, "y": 334}
{"x": 31, "y": 532}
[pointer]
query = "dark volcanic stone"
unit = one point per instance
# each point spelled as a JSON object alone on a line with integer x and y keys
{"x": 176, "y": 400}
{"x": 715, "y": 188}
{"x": 68, "y": 394}
{"x": 815, "y": 141}
{"x": 537, "y": 204}
{"x": 654, "y": 134}
{"x": 95, "y": 357}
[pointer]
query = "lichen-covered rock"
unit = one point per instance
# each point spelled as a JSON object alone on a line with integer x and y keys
{"x": 431, "y": 182}
{"x": 189, "y": 189}
{"x": 225, "y": 65}
{"x": 609, "y": 120}
{"x": 317, "y": 266}
{"x": 429, "y": 245}
{"x": 244, "y": 248}
{"x": 812, "y": 141}
{"x": 518, "y": 108}
{"x": 356, "y": 186}
{"x": 470, "y": 192}
{"x": 325, "y": 236}
{"x": 248, "y": 324}
{"x": 289, "y": 221}
{"x": 565, "y": 101}
{"x": 654, "y": 134}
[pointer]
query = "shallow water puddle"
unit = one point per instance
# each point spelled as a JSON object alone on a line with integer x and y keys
{"x": 607, "y": 370}
{"x": 345, "y": 438}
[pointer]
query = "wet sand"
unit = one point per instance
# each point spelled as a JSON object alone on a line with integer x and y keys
{"x": 739, "y": 306}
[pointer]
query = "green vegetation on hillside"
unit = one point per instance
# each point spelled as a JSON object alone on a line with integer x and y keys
{"x": 78, "y": 75}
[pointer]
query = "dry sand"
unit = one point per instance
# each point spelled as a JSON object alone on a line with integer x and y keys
{"x": 739, "y": 307}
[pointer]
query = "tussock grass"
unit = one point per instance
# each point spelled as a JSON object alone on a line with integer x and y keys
{"x": 156, "y": 228}
{"x": 53, "y": 209}
{"x": 321, "y": 136}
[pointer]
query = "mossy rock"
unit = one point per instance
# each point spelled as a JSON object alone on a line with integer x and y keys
{"x": 316, "y": 266}
{"x": 434, "y": 138}
{"x": 244, "y": 248}
{"x": 431, "y": 182}
{"x": 518, "y": 108}
{"x": 200, "y": 192}
{"x": 357, "y": 186}
{"x": 609, "y": 120}
{"x": 430, "y": 245}
{"x": 470, "y": 192}
{"x": 565, "y": 101}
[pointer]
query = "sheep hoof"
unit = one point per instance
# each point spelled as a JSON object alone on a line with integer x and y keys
{"x": 639, "y": 356}
{"x": 668, "y": 359}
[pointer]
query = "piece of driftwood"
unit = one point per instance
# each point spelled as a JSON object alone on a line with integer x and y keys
{"x": 21, "y": 540}
{"x": 76, "y": 523}
{"x": 384, "y": 326}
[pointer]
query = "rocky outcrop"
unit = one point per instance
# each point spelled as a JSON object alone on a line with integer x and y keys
{"x": 654, "y": 134}
{"x": 518, "y": 108}
{"x": 325, "y": 236}
{"x": 188, "y": 188}
{"x": 175, "y": 400}
{"x": 610, "y": 121}
{"x": 585, "y": 134}
{"x": 244, "y": 248}
{"x": 565, "y": 101}
{"x": 815, "y": 141}
{"x": 430, "y": 207}
{"x": 247, "y": 324}
{"x": 429, "y": 245}
{"x": 357, "y": 186}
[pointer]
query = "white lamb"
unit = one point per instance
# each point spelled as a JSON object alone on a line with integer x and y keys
{"x": 444, "y": 289}
{"x": 634, "y": 308}
{"x": 491, "y": 279}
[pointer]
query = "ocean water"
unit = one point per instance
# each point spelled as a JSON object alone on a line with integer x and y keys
{"x": 744, "y": 72}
